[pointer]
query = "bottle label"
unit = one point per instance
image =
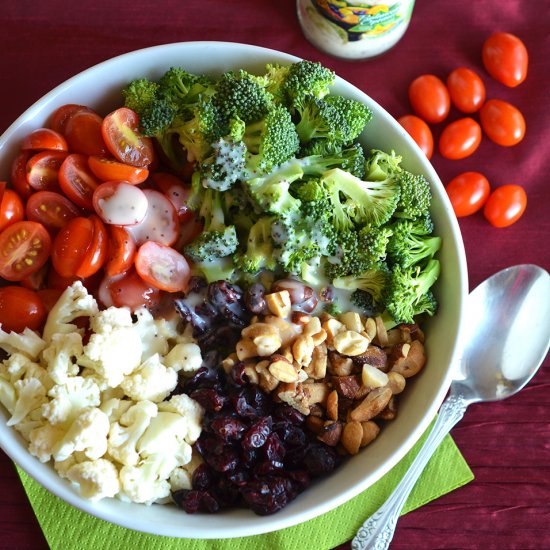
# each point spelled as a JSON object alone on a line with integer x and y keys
{"x": 361, "y": 20}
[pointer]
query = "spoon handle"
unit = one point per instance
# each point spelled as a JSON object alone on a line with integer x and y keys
{"x": 377, "y": 531}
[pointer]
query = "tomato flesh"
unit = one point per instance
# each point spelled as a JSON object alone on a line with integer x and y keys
{"x": 20, "y": 308}
{"x": 110, "y": 170}
{"x": 52, "y": 210}
{"x": 60, "y": 117}
{"x": 130, "y": 290}
{"x": 18, "y": 175}
{"x": 43, "y": 170}
{"x": 163, "y": 267}
{"x": 24, "y": 248}
{"x": 11, "y": 208}
{"x": 468, "y": 192}
{"x": 121, "y": 251}
{"x": 77, "y": 181}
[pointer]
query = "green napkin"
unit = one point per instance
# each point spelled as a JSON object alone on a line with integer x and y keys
{"x": 67, "y": 528}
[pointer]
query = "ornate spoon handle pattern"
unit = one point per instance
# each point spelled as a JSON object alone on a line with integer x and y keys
{"x": 377, "y": 532}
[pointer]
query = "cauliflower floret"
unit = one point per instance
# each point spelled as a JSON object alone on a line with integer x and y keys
{"x": 30, "y": 394}
{"x": 7, "y": 395}
{"x": 68, "y": 400}
{"x": 166, "y": 431}
{"x": 18, "y": 367}
{"x": 114, "y": 349}
{"x": 147, "y": 483}
{"x": 186, "y": 357}
{"x": 74, "y": 302}
{"x": 43, "y": 439}
{"x": 151, "y": 381}
{"x": 180, "y": 479}
{"x": 152, "y": 341}
{"x": 114, "y": 408}
{"x": 27, "y": 342}
{"x": 96, "y": 479}
{"x": 62, "y": 467}
{"x": 190, "y": 410}
{"x": 61, "y": 356}
{"x": 124, "y": 434}
{"x": 87, "y": 433}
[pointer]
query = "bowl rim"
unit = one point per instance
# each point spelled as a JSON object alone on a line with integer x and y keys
{"x": 60, "y": 488}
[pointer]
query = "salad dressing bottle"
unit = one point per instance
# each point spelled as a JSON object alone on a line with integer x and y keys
{"x": 354, "y": 29}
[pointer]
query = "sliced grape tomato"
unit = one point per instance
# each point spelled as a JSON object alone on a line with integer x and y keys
{"x": 51, "y": 209}
{"x": 44, "y": 139}
{"x": 11, "y": 207}
{"x": 83, "y": 134}
{"x": 77, "y": 180}
{"x": 24, "y": 248}
{"x": 124, "y": 140}
{"x": 107, "y": 169}
{"x": 120, "y": 203}
{"x": 163, "y": 267}
{"x": 121, "y": 251}
{"x": 18, "y": 174}
{"x": 160, "y": 224}
{"x": 43, "y": 170}
{"x": 177, "y": 191}
{"x": 60, "y": 117}
{"x": 130, "y": 290}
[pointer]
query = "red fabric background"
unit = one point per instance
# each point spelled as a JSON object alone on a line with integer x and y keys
{"x": 506, "y": 444}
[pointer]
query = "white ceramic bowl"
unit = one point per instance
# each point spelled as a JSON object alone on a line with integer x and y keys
{"x": 99, "y": 87}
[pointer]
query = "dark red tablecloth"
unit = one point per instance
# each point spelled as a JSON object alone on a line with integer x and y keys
{"x": 507, "y": 444}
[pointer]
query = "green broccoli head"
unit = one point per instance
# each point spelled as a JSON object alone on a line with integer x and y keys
{"x": 140, "y": 94}
{"x": 351, "y": 159}
{"x": 366, "y": 303}
{"x": 354, "y": 114}
{"x": 259, "y": 248}
{"x": 239, "y": 94}
{"x": 415, "y": 196}
{"x": 184, "y": 89}
{"x": 374, "y": 281}
{"x": 307, "y": 78}
{"x": 408, "y": 291}
{"x": 412, "y": 243}
{"x": 373, "y": 243}
{"x": 225, "y": 166}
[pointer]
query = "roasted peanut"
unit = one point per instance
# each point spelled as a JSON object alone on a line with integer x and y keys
{"x": 302, "y": 349}
{"x": 372, "y": 377}
{"x": 373, "y": 404}
{"x": 281, "y": 369}
{"x": 332, "y": 405}
{"x": 352, "y": 435}
{"x": 370, "y": 432}
{"x": 413, "y": 362}
{"x": 396, "y": 382}
{"x": 279, "y": 303}
{"x": 352, "y": 320}
{"x": 350, "y": 343}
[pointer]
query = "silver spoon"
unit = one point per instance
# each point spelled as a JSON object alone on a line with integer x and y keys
{"x": 504, "y": 343}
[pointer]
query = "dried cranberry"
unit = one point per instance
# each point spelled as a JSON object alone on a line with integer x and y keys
{"x": 286, "y": 412}
{"x": 268, "y": 467}
{"x": 203, "y": 477}
{"x": 209, "y": 398}
{"x": 209, "y": 444}
{"x": 238, "y": 477}
{"x": 224, "y": 462}
{"x": 254, "y": 299}
{"x": 238, "y": 375}
{"x": 257, "y": 434}
{"x": 265, "y": 497}
{"x": 273, "y": 448}
{"x": 229, "y": 428}
{"x": 196, "y": 501}
{"x": 252, "y": 403}
{"x": 226, "y": 493}
{"x": 320, "y": 460}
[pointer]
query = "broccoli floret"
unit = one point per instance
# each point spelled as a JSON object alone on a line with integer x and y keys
{"x": 307, "y": 78}
{"x": 356, "y": 115}
{"x": 373, "y": 244}
{"x": 140, "y": 94}
{"x": 351, "y": 159}
{"x": 367, "y": 201}
{"x": 366, "y": 303}
{"x": 184, "y": 89}
{"x": 415, "y": 196}
{"x": 411, "y": 243}
{"x": 259, "y": 249}
{"x": 270, "y": 141}
{"x": 274, "y": 81}
{"x": 219, "y": 269}
{"x": 225, "y": 166}
{"x": 345, "y": 258}
{"x": 374, "y": 281}
{"x": 217, "y": 239}
{"x": 333, "y": 308}
{"x": 408, "y": 291}
{"x": 270, "y": 193}
{"x": 239, "y": 94}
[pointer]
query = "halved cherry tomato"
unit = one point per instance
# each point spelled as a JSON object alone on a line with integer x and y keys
{"x": 11, "y": 208}
{"x": 110, "y": 170}
{"x": 160, "y": 224}
{"x": 120, "y": 203}
{"x": 51, "y": 209}
{"x": 60, "y": 117}
{"x": 44, "y": 139}
{"x": 77, "y": 181}
{"x": 43, "y": 170}
{"x": 460, "y": 138}
{"x": 121, "y": 251}
{"x": 124, "y": 140}
{"x": 162, "y": 267}
{"x": 466, "y": 89}
{"x": 420, "y": 132}
{"x": 20, "y": 308}
{"x": 505, "y": 205}
{"x": 80, "y": 248}
{"x": 58, "y": 282}
{"x": 49, "y": 297}
{"x": 502, "y": 122}
{"x": 24, "y": 248}
{"x": 178, "y": 193}
{"x": 131, "y": 290}
{"x": 18, "y": 175}
{"x": 83, "y": 133}
{"x": 429, "y": 98}
{"x": 468, "y": 193}
{"x": 506, "y": 59}
{"x": 37, "y": 280}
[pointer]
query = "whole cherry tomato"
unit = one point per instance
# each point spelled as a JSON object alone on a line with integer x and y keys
{"x": 20, "y": 308}
{"x": 466, "y": 89}
{"x": 429, "y": 98}
{"x": 506, "y": 59}
{"x": 11, "y": 208}
{"x": 505, "y": 205}
{"x": 502, "y": 122}
{"x": 468, "y": 192}
{"x": 420, "y": 132}
{"x": 460, "y": 138}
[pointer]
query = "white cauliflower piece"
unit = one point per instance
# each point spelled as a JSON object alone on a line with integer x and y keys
{"x": 62, "y": 467}
{"x": 18, "y": 367}
{"x": 114, "y": 349}
{"x": 96, "y": 479}
{"x": 7, "y": 395}
{"x": 152, "y": 381}
{"x": 152, "y": 341}
{"x": 147, "y": 483}
{"x": 186, "y": 357}
{"x": 27, "y": 342}
{"x": 74, "y": 302}
{"x": 190, "y": 410}
{"x": 180, "y": 479}
{"x": 70, "y": 399}
{"x": 29, "y": 423}
{"x": 30, "y": 394}
{"x": 87, "y": 433}
{"x": 125, "y": 434}
{"x": 43, "y": 439}
{"x": 114, "y": 408}
{"x": 61, "y": 356}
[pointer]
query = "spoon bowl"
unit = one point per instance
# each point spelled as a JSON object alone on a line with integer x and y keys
{"x": 505, "y": 340}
